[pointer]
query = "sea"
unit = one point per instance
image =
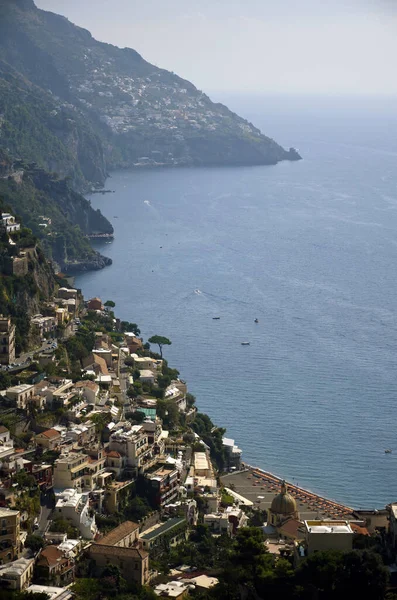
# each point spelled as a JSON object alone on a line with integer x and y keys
{"x": 307, "y": 248}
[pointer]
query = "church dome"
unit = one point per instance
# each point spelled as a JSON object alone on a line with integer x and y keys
{"x": 283, "y": 503}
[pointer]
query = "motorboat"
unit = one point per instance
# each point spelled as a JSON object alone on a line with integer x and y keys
{"x": 216, "y": 318}
{"x": 245, "y": 343}
{"x": 388, "y": 451}
{"x": 256, "y": 321}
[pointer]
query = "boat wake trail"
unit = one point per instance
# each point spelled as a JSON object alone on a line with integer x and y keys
{"x": 227, "y": 298}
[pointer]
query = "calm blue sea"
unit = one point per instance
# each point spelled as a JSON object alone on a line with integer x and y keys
{"x": 310, "y": 249}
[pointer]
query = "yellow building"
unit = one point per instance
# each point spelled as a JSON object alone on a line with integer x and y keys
{"x": 49, "y": 439}
{"x": 132, "y": 562}
{"x": 9, "y": 535}
{"x": 61, "y": 315}
{"x": 70, "y": 470}
{"x": 115, "y": 493}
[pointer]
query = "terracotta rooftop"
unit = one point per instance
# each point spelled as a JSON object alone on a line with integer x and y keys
{"x": 42, "y": 384}
{"x": 119, "y": 533}
{"x": 290, "y": 527}
{"x": 3, "y": 429}
{"x": 120, "y": 551}
{"x": 87, "y": 384}
{"x": 114, "y": 454}
{"x": 358, "y": 529}
{"x": 50, "y": 556}
{"x": 50, "y": 433}
{"x": 101, "y": 362}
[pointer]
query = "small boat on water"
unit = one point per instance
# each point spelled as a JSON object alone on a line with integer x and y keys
{"x": 256, "y": 321}
{"x": 216, "y": 318}
{"x": 245, "y": 343}
{"x": 388, "y": 451}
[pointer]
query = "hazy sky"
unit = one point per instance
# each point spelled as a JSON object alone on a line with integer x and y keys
{"x": 305, "y": 46}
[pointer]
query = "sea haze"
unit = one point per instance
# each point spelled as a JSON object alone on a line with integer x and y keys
{"x": 310, "y": 249}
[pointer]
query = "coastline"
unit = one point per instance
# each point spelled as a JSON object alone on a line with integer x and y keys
{"x": 312, "y": 480}
{"x": 258, "y": 472}
{"x": 258, "y": 488}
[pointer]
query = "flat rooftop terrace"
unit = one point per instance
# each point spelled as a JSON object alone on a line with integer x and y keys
{"x": 162, "y": 528}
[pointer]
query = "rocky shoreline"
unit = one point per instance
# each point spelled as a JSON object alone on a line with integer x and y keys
{"x": 96, "y": 263}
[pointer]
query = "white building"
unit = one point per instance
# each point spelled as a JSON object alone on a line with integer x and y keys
{"x": 173, "y": 589}
{"x": 147, "y": 376}
{"x": 218, "y": 523}
{"x": 9, "y": 222}
{"x": 52, "y": 592}
{"x": 233, "y": 454}
{"x": 133, "y": 443}
{"x": 75, "y": 506}
{"x": 6, "y": 443}
{"x": 89, "y": 390}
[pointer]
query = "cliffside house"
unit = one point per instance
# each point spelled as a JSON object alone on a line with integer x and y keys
{"x": 49, "y": 439}
{"x": 52, "y": 566}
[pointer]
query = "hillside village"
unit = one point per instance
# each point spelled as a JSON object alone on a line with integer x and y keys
{"x": 157, "y": 101}
{"x": 101, "y": 107}
{"x": 83, "y": 447}
{"x": 108, "y": 470}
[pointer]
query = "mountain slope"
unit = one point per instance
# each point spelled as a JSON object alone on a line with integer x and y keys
{"x": 36, "y": 127}
{"x": 137, "y": 113}
{"x": 59, "y": 216}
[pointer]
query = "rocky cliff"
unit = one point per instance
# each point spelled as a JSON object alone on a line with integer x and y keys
{"x": 21, "y": 296}
{"x": 59, "y": 216}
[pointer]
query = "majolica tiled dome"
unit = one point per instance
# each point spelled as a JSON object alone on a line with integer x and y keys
{"x": 283, "y": 503}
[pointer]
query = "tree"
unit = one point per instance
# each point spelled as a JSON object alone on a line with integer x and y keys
{"x": 34, "y": 542}
{"x": 86, "y": 589}
{"x": 127, "y": 326}
{"x": 137, "y": 508}
{"x": 160, "y": 341}
{"x": 190, "y": 399}
{"x": 112, "y": 581}
{"x": 110, "y": 304}
{"x": 100, "y": 420}
{"x": 334, "y": 574}
{"x": 138, "y": 416}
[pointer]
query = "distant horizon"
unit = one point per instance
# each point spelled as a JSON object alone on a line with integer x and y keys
{"x": 330, "y": 95}
{"x": 277, "y": 48}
